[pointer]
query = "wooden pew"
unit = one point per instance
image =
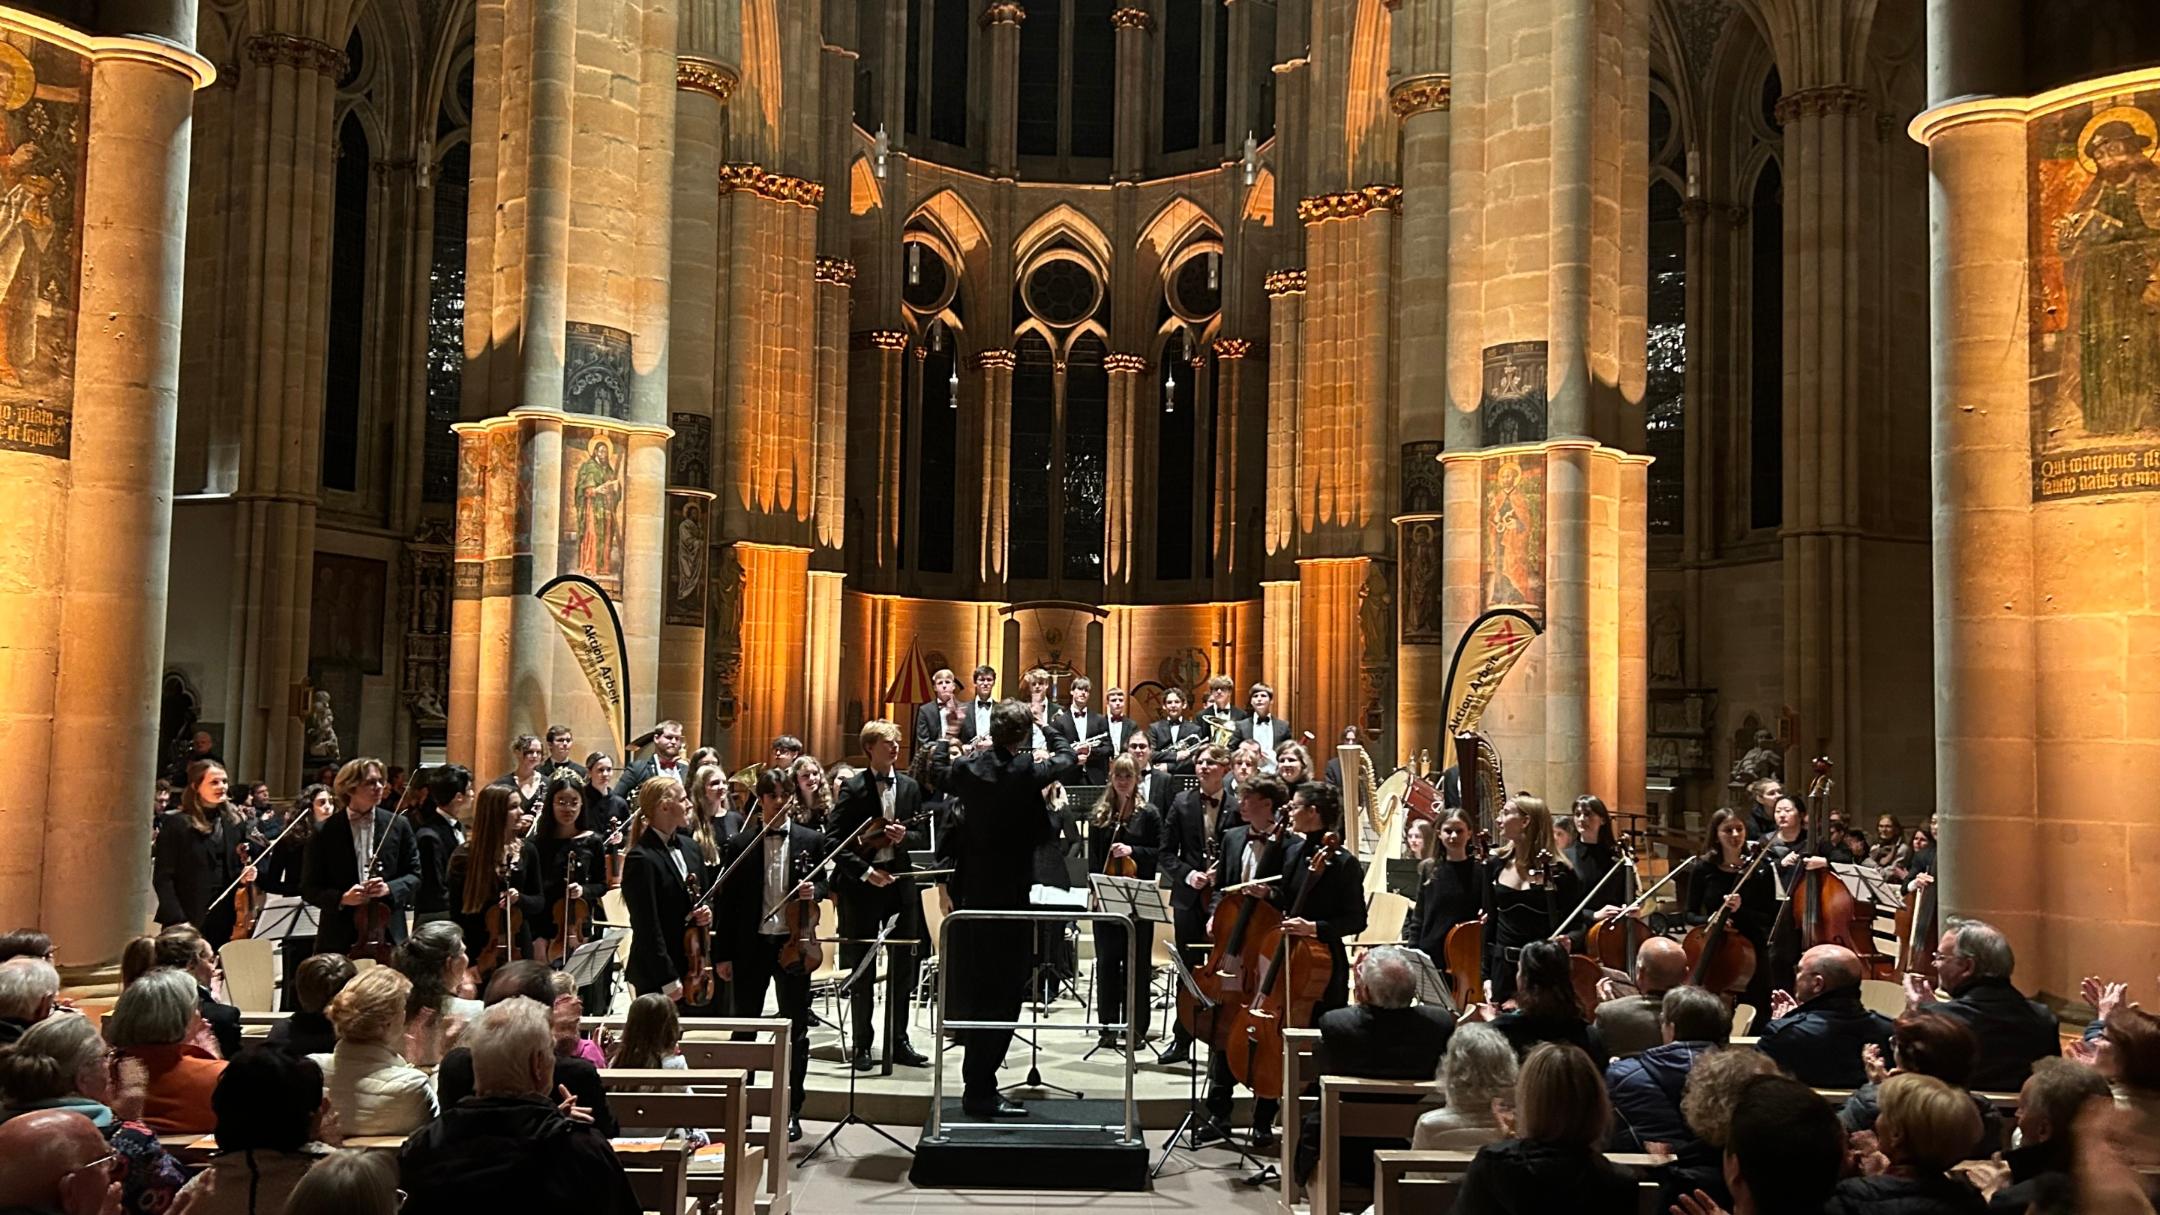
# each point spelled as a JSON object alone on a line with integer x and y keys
{"x": 1300, "y": 1069}
{"x": 1427, "y": 1183}
{"x": 708, "y": 1042}
{"x": 1343, "y": 1115}
{"x": 659, "y": 1175}
{"x": 721, "y": 1106}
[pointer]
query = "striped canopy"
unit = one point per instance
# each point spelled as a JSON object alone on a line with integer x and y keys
{"x": 911, "y": 679}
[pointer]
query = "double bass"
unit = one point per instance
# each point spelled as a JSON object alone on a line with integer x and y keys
{"x": 1720, "y": 959}
{"x": 1824, "y": 909}
{"x": 1293, "y": 975}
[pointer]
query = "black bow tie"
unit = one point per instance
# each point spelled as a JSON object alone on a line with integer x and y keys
{"x": 882, "y": 781}
{"x": 982, "y": 704}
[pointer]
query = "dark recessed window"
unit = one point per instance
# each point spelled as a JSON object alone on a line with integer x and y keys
{"x": 1766, "y": 351}
{"x": 1665, "y": 358}
{"x": 1087, "y": 433}
{"x": 1034, "y": 417}
{"x": 1176, "y": 430}
{"x": 1181, "y": 75}
{"x": 949, "y": 71}
{"x": 935, "y": 494}
{"x": 348, "y": 307}
{"x": 1094, "y": 78}
{"x": 446, "y": 326}
{"x": 1036, "y": 101}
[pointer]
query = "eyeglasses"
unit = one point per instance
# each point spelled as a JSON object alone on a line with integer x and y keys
{"x": 112, "y": 1164}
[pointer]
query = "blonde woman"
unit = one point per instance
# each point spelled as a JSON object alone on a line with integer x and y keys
{"x": 807, "y": 804}
{"x": 1529, "y": 889}
{"x": 1127, "y": 831}
{"x": 1553, "y": 1163}
{"x": 711, "y": 821}
{"x": 368, "y": 1082}
{"x": 1925, "y": 1126}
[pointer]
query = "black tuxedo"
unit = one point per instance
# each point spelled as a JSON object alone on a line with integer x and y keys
{"x": 660, "y": 899}
{"x": 1078, "y": 730}
{"x": 331, "y": 869}
{"x": 754, "y": 956}
{"x": 1120, "y": 732}
{"x": 864, "y": 908}
{"x": 1186, "y": 849}
{"x": 930, "y": 724}
{"x": 626, "y": 785}
{"x": 1165, "y": 735}
{"x": 1002, "y": 821}
{"x": 1282, "y": 732}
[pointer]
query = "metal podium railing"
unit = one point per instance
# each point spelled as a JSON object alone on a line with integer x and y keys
{"x": 1131, "y": 1024}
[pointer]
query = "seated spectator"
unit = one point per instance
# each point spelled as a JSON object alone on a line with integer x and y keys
{"x": 348, "y": 1183}
{"x": 564, "y": 1015}
{"x": 25, "y": 943}
{"x": 270, "y": 1114}
{"x": 137, "y": 958}
{"x": 307, "y": 1031}
{"x": 1478, "y": 1071}
{"x": 1553, "y": 1164}
{"x": 1925, "y": 1127}
{"x": 1382, "y": 1036}
{"x": 1816, "y": 1031}
{"x": 157, "y": 1022}
{"x": 652, "y": 1040}
{"x": 1647, "y": 1088}
{"x": 371, "y": 1086}
{"x": 1931, "y": 1045}
{"x": 1546, "y": 1006}
{"x": 507, "y": 1147}
{"x": 2127, "y": 1054}
{"x": 1973, "y": 964}
{"x": 1706, "y": 1107}
{"x": 1784, "y": 1150}
{"x": 535, "y": 982}
{"x": 433, "y": 957}
{"x": 184, "y": 949}
{"x": 61, "y": 1064}
{"x": 1629, "y": 1025}
{"x": 55, "y": 1161}
{"x": 28, "y": 987}
{"x": 2038, "y": 1172}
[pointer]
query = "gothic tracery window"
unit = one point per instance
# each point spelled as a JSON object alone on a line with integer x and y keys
{"x": 1665, "y": 356}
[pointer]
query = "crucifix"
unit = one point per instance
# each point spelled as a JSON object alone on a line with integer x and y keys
{"x": 1225, "y": 653}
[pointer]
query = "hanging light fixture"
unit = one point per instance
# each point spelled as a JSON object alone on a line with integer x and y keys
{"x": 1251, "y": 159}
{"x": 1169, "y": 387}
{"x": 1214, "y": 270}
{"x": 880, "y": 150}
{"x": 952, "y": 387}
{"x": 914, "y": 264}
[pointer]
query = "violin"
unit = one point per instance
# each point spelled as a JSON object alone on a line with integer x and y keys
{"x": 699, "y": 982}
{"x": 572, "y": 915}
{"x": 245, "y": 902}
{"x": 1242, "y": 918}
{"x": 801, "y": 952}
{"x": 371, "y": 919}
{"x": 504, "y": 918}
{"x": 1583, "y": 971}
{"x": 1294, "y": 974}
{"x": 1121, "y": 866}
{"x": 1719, "y": 959}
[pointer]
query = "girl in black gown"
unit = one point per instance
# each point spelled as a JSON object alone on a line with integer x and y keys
{"x": 1528, "y": 890}
{"x": 1594, "y": 851}
{"x": 279, "y": 873}
{"x": 1752, "y": 908}
{"x": 1450, "y": 890}
{"x": 570, "y": 863}
{"x": 494, "y": 864}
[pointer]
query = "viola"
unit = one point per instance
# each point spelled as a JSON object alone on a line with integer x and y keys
{"x": 245, "y": 902}
{"x": 571, "y": 915}
{"x": 1720, "y": 959}
{"x": 1294, "y": 974}
{"x": 504, "y": 919}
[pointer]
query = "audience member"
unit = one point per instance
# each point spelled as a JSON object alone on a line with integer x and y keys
{"x": 1783, "y": 1151}
{"x": 371, "y": 1086}
{"x": 1973, "y": 964}
{"x": 137, "y": 958}
{"x": 1925, "y": 1127}
{"x": 652, "y": 1040}
{"x": 1383, "y": 1036}
{"x": 1646, "y": 1089}
{"x": 184, "y": 949}
{"x": 1553, "y": 1164}
{"x": 2127, "y": 1053}
{"x": 25, "y": 943}
{"x": 1629, "y": 1025}
{"x": 153, "y": 1022}
{"x": 1478, "y": 1072}
{"x": 1930, "y": 1045}
{"x": 433, "y": 957}
{"x": 1546, "y": 1006}
{"x": 61, "y": 1064}
{"x": 55, "y": 1161}
{"x": 270, "y": 1116}
{"x": 1713, "y": 1090}
{"x": 1817, "y": 1029}
{"x": 564, "y": 1014}
{"x": 350, "y": 1183}
{"x": 507, "y": 1147}
{"x": 2039, "y": 1171}
{"x": 307, "y": 1031}
{"x": 535, "y": 982}
{"x": 28, "y": 987}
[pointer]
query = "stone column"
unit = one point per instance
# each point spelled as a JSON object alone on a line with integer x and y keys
{"x": 86, "y": 465}
{"x": 1234, "y": 397}
{"x": 290, "y": 89}
{"x": 996, "y": 367}
{"x": 1124, "y": 499}
{"x": 1001, "y": 22}
{"x": 874, "y": 461}
{"x": 1135, "y": 54}
{"x": 1285, "y": 291}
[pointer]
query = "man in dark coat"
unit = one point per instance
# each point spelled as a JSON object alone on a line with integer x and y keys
{"x": 1820, "y": 1026}
{"x": 666, "y": 760}
{"x": 334, "y": 876}
{"x": 1192, "y": 833}
{"x": 1973, "y": 964}
{"x": 1381, "y": 1037}
{"x": 1646, "y": 1087}
{"x": 1002, "y": 820}
{"x": 872, "y": 887}
{"x": 507, "y": 1146}
{"x": 572, "y": 1074}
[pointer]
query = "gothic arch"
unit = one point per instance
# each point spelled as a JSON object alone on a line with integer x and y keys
{"x": 1067, "y": 221}
{"x": 955, "y": 222}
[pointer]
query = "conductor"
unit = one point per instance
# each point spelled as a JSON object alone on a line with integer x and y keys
{"x": 1002, "y": 820}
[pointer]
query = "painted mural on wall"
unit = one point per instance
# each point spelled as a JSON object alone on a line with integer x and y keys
{"x": 2095, "y": 319}
{"x": 44, "y": 116}
{"x": 592, "y": 500}
{"x": 686, "y": 558}
{"x": 1513, "y": 408}
{"x": 1512, "y": 523}
{"x": 690, "y": 451}
{"x": 1421, "y": 622}
{"x": 596, "y": 371}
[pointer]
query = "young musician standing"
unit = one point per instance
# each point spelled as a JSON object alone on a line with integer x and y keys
{"x": 1123, "y": 828}
{"x": 1081, "y": 725}
{"x": 1121, "y": 730}
{"x": 197, "y": 855}
{"x": 663, "y": 877}
{"x": 527, "y": 780}
{"x": 558, "y": 761}
{"x": 341, "y": 873}
{"x": 1263, "y": 727}
{"x": 1522, "y": 905}
{"x": 1192, "y": 844}
{"x": 975, "y": 727}
{"x": 1176, "y": 740}
{"x": 930, "y": 716}
{"x": 1335, "y": 907}
{"x": 281, "y": 872}
{"x": 1252, "y": 851}
{"x": 754, "y": 925}
{"x": 1751, "y": 909}
{"x": 569, "y": 865}
{"x": 1792, "y": 854}
{"x": 1451, "y": 890}
{"x": 871, "y": 885}
{"x": 495, "y": 864}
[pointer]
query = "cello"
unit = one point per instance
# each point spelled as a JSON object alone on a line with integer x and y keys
{"x": 1823, "y": 908}
{"x": 1583, "y": 972}
{"x": 1241, "y": 919}
{"x": 1612, "y": 941}
{"x": 1465, "y": 943}
{"x": 1294, "y": 973}
{"x": 1719, "y": 959}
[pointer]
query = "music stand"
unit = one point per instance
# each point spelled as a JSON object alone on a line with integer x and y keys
{"x": 286, "y": 915}
{"x": 1204, "y": 1013}
{"x": 843, "y": 993}
{"x": 1432, "y": 986}
{"x": 1140, "y": 901}
{"x": 1043, "y": 896}
{"x": 587, "y": 961}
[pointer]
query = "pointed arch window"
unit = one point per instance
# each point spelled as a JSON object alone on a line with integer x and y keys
{"x": 344, "y": 352}
{"x": 1766, "y": 349}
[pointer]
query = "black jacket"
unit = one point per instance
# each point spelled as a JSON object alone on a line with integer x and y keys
{"x": 1143, "y": 833}
{"x": 1173, "y": 744}
{"x": 223, "y": 1020}
{"x": 636, "y": 774}
{"x": 454, "y": 1083}
{"x": 1936, "y": 1194}
{"x": 303, "y": 1033}
{"x": 1819, "y": 1042}
{"x": 1282, "y": 732}
{"x": 2014, "y": 1032}
{"x": 1120, "y": 732}
{"x": 1450, "y": 895}
{"x": 860, "y": 801}
{"x": 930, "y": 724}
{"x": 189, "y": 868}
{"x": 331, "y": 869}
{"x": 659, "y": 900}
{"x": 1532, "y": 1177}
{"x": 437, "y": 836}
{"x": 524, "y": 877}
{"x": 511, "y": 1154}
{"x": 1185, "y": 844}
{"x": 1384, "y": 1043}
{"x": 2039, "y": 1173}
{"x": 1083, "y": 728}
{"x": 1002, "y": 820}
{"x": 1525, "y": 1030}
{"x": 740, "y": 905}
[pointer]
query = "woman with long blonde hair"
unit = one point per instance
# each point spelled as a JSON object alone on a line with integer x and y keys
{"x": 806, "y": 798}
{"x": 493, "y": 864}
{"x": 1121, "y": 828}
{"x": 1529, "y": 889}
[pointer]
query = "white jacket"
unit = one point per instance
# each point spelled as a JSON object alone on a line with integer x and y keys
{"x": 374, "y": 1091}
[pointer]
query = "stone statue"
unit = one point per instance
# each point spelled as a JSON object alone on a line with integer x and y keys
{"x": 1763, "y": 761}
{"x": 1665, "y": 662}
{"x": 322, "y": 739}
